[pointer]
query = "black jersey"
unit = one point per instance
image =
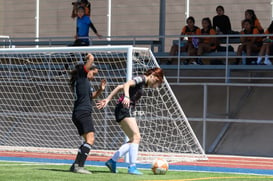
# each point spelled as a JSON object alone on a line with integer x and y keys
{"x": 82, "y": 91}
{"x": 223, "y": 23}
{"x": 136, "y": 91}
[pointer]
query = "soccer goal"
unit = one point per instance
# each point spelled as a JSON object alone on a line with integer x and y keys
{"x": 36, "y": 104}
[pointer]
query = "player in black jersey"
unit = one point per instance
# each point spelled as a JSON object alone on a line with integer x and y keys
{"x": 81, "y": 117}
{"x": 133, "y": 90}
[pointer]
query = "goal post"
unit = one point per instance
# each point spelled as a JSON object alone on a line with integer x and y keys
{"x": 36, "y": 104}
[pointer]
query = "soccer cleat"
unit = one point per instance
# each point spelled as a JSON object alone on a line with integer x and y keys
{"x": 72, "y": 167}
{"x": 199, "y": 61}
{"x": 112, "y": 165}
{"x": 76, "y": 169}
{"x": 133, "y": 170}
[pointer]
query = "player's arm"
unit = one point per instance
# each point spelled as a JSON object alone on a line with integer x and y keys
{"x": 89, "y": 61}
{"x": 103, "y": 103}
{"x": 126, "y": 87}
{"x": 92, "y": 26}
{"x": 100, "y": 90}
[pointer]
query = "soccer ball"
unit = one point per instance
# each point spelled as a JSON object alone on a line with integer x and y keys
{"x": 160, "y": 166}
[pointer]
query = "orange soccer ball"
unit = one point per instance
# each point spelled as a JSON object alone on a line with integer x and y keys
{"x": 160, "y": 166}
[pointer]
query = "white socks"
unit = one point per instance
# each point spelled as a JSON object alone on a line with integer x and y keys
{"x": 132, "y": 148}
{"x": 266, "y": 61}
{"x": 259, "y": 59}
{"x": 122, "y": 151}
{"x": 133, "y": 153}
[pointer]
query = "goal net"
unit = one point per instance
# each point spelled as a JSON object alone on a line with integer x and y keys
{"x": 36, "y": 104}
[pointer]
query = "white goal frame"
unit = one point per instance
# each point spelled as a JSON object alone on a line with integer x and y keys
{"x": 136, "y": 60}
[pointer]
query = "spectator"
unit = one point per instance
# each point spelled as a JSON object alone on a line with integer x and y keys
{"x": 265, "y": 49}
{"x": 221, "y": 22}
{"x": 249, "y": 44}
{"x": 206, "y": 44}
{"x": 186, "y": 45}
{"x": 83, "y": 24}
{"x": 250, "y": 14}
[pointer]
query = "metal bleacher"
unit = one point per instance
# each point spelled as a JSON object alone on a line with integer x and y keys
{"x": 155, "y": 44}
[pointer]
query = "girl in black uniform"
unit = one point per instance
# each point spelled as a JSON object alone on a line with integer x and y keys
{"x": 133, "y": 90}
{"x": 81, "y": 117}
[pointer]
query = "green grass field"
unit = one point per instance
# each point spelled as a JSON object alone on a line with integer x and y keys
{"x": 14, "y": 171}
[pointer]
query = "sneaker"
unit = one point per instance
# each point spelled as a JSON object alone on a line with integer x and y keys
{"x": 199, "y": 61}
{"x": 76, "y": 169}
{"x": 259, "y": 61}
{"x": 267, "y": 62}
{"x": 112, "y": 165}
{"x": 133, "y": 170}
{"x": 185, "y": 62}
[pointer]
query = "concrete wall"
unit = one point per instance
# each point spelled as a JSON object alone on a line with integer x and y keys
{"x": 245, "y": 103}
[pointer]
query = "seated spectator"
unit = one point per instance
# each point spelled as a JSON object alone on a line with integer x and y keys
{"x": 265, "y": 49}
{"x": 221, "y": 22}
{"x": 206, "y": 44}
{"x": 83, "y": 24}
{"x": 250, "y": 14}
{"x": 186, "y": 45}
{"x": 249, "y": 44}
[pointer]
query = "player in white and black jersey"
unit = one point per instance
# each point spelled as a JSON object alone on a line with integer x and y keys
{"x": 133, "y": 90}
{"x": 81, "y": 117}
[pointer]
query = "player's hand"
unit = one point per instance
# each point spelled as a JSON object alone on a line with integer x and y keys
{"x": 99, "y": 36}
{"x": 90, "y": 58}
{"x": 126, "y": 102}
{"x": 102, "y": 104}
{"x": 103, "y": 84}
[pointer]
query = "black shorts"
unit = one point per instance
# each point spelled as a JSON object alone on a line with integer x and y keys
{"x": 122, "y": 112}
{"x": 83, "y": 121}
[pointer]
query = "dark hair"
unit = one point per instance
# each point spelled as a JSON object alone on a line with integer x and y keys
{"x": 74, "y": 74}
{"x": 84, "y": 1}
{"x": 248, "y": 21}
{"x": 208, "y": 20}
{"x": 251, "y": 24}
{"x": 252, "y": 13}
{"x": 158, "y": 72}
{"x": 191, "y": 18}
{"x": 221, "y": 7}
{"x": 270, "y": 28}
{"x": 81, "y": 7}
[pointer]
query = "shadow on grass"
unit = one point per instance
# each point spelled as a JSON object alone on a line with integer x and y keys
{"x": 62, "y": 170}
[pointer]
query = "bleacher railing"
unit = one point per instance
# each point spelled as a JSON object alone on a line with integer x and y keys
{"x": 178, "y": 68}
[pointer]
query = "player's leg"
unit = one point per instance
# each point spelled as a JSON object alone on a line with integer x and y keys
{"x": 83, "y": 152}
{"x": 130, "y": 127}
{"x": 125, "y": 148}
{"x": 261, "y": 53}
{"x": 86, "y": 129}
{"x": 267, "y": 60}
